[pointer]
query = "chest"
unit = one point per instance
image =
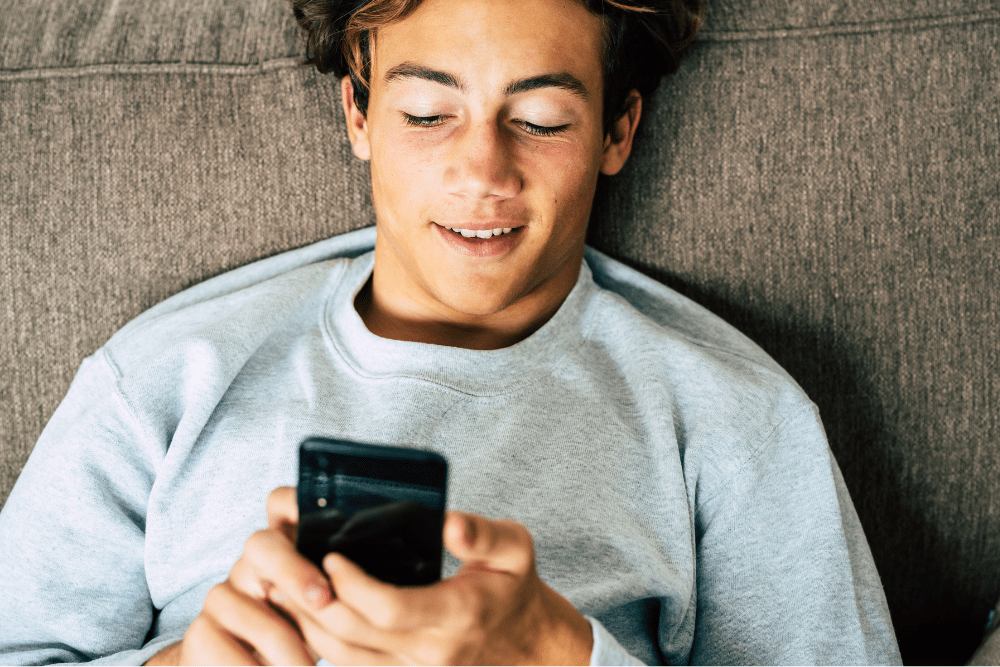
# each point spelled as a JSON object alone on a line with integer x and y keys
{"x": 601, "y": 491}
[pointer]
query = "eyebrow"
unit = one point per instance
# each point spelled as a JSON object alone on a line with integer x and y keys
{"x": 408, "y": 70}
{"x": 561, "y": 80}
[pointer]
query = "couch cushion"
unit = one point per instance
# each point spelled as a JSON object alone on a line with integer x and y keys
{"x": 764, "y": 19}
{"x": 71, "y": 33}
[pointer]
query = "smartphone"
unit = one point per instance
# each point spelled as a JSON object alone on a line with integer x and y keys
{"x": 381, "y": 507}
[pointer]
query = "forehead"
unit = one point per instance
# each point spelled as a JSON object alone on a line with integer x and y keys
{"x": 492, "y": 42}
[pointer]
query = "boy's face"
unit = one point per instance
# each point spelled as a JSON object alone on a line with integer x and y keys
{"x": 484, "y": 114}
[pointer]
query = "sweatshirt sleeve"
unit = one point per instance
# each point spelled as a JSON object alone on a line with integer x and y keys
{"x": 785, "y": 575}
{"x": 72, "y": 532}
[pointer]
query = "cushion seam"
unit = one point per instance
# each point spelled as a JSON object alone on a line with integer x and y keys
{"x": 841, "y": 29}
{"x": 105, "y": 69}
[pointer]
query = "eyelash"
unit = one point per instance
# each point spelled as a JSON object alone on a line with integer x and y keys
{"x": 541, "y": 130}
{"x": 530, "y": 128}
{"x": 422, "y": 121}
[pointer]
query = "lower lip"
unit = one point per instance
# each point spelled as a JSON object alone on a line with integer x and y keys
{"x": 476, "y": 247}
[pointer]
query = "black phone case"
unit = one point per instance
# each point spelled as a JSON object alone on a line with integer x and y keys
{"x": 382, "y": 507}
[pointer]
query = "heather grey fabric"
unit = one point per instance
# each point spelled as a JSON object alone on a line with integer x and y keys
{"x": 677, "y": 484}
{"x": 822, "y": 174}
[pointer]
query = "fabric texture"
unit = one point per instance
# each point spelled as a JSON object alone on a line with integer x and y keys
{"x": 820, "y": 174}
{"x": 677, "y": 483}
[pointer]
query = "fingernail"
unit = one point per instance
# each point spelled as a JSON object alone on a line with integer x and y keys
{"x": 330, "y": 562}
{"x": 316, "y": 595}
{"x": 276, "y": 596}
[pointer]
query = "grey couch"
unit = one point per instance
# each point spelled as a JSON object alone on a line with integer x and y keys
{"x": 821, "y": 173}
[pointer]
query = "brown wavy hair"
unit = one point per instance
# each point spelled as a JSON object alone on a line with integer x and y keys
{"x": 642, "y": 42}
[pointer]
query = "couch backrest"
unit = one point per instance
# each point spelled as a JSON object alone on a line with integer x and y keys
{"x": 821, "y": 174}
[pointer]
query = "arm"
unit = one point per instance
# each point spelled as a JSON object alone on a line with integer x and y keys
{"x": 72, "y": 533}
{"x": 784, "y": 572}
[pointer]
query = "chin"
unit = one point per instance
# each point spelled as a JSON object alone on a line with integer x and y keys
{"x": 468, "y": 304}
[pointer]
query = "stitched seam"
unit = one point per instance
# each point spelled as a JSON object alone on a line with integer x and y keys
{"x": 847, "y": 28}
{"x": 111, "y": 69}
{"x": 139, "y": 424}
{"x": 768, "y": 439}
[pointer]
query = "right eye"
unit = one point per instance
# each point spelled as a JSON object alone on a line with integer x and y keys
{"x": 423, "y": 121}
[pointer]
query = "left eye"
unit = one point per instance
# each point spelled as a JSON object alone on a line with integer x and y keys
{"x": 541, "y": 130}
{"x": 423, "y": 121}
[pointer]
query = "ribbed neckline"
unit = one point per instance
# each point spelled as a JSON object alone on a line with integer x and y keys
{"x": 475, "y": 372}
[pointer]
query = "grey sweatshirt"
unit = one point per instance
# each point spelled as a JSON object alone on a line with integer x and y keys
{"x": 676, "y": 481}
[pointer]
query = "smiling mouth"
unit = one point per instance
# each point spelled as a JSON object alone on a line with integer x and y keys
{"x": 481, "y": 233}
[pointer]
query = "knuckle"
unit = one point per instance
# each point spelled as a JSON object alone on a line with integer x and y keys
{"x": 522, "y": 535}
{"x": 388, "y": 615}
{"x": 261, "y": 548}
{"x": 280, "y": 505}
{"x": 437, "y": 654}
{"x": 275, "y": 635}
{"x": 334, "y": 650}
{"x": 199, "y": 634}
{"x": 216, "y": 599}
{"x": 244, "y": 578}
{"x": 258, "y": 541}
{"x": 525, "y": 543}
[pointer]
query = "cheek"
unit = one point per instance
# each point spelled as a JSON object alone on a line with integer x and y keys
{"x": 402, "y": 175}
{"x": 565, "y": 175}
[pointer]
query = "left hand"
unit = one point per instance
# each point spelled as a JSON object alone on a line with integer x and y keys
{"x": 495, "y": 610}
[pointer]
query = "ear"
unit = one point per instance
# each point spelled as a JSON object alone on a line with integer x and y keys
{"x": 357, "y": 123}
{"x": 618, "y": 142}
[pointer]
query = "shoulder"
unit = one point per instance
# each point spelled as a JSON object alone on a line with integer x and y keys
{"x": 728, "y": 397}
{"x": 645, "y": 300}
{"x": 231, "y": 313}
{"x": 176, "y": 361}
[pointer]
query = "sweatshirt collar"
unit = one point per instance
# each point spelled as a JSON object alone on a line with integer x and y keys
{"x": 476, "y": 372}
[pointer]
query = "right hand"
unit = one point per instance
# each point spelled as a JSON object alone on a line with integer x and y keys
{"x": 237, "y": 625}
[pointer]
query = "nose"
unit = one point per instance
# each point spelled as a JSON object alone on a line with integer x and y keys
{"x": 482, "y": 165}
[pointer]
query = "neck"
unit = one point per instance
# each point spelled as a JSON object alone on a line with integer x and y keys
{"x": 401, "y": 319}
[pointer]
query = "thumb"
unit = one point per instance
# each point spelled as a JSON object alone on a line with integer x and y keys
{"x": 501, "y": 545}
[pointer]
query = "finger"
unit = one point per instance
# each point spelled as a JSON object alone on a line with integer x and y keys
{"x": 391, "y": 609}
{"x": 283, "y": 510}
{"x": 337, "y": 618}
{"x": 338, "y": 624}
{"x": 205, "y": 643}
{"x": 256, "y": 623}
{"x": 338, "y": 633}
{"x": 245, "y": 579}
{"x": 339, "y": 651}
{"x": 502, "y": 545}
{"x": 275, "y": 561}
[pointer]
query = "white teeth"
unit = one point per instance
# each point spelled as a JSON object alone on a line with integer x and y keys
{"x": 483, "y": 234}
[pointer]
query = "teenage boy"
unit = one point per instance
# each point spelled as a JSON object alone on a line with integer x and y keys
{"x": 667, "y": 491}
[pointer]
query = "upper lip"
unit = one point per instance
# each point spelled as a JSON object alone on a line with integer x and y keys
{"x": 482, "y": 226}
